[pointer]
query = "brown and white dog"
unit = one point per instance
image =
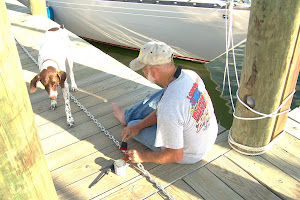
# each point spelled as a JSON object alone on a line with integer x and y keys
{"x": 53, "y": 53}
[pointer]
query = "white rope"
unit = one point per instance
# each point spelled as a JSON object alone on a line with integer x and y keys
{"x": 229, "y": 36}
{"x": 252, "y": 151}
{"x": 263, "y": 115}
{"x": 226, "y": 46}
{"x": 234, "y": 61}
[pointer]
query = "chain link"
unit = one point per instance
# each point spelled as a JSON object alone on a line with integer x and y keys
{"x": 25, "y": 50}
{"x": 117, "y": 143}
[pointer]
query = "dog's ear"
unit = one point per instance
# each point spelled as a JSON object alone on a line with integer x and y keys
{"x": 62, "y": 77}
{"x": 33, "y": 83}
{"x": 62, "y": 26}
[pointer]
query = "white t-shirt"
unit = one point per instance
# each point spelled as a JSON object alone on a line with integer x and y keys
{"x": 186, "y": 118}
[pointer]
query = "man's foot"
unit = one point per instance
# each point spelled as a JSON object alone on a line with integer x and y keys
{"x": 119, "y": 114}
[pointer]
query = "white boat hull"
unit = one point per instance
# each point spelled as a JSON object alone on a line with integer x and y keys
{"x": 195, "y": 33}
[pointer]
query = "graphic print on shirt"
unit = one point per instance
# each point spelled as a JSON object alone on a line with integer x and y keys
{"x": 200, "y": 101}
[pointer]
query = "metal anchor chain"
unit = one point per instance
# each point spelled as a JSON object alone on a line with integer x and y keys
{"x": 95, "y": 121}
{"x": 28, "y": 54}
{"x": 117, "y": 143}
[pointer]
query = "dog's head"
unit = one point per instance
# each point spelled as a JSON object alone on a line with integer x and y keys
{"x": 50, "y": 78}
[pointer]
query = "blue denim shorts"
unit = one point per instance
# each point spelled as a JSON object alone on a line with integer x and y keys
{"x": 138, "y": 112}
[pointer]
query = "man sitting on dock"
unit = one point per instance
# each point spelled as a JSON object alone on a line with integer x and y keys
{"x": 177, "y": 123}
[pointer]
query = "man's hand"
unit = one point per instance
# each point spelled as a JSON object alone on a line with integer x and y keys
{"x": 135, "y": 156}
{"x": 130, "y": 131}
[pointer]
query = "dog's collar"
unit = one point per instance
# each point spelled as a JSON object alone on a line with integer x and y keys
{"x": 58, "y": 67}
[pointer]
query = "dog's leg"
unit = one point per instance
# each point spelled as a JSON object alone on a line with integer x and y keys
{"x": 70, "y": 64}
{"x": 66, "y": 95}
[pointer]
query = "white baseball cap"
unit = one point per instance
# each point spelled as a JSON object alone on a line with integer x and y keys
{"x": 152, "y": 53}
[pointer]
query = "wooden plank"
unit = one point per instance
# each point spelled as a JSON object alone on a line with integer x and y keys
{"x": 295, "y": 114}
{"x": 23, "y": 54}
{"x": 170, "y": 173}
{"x": 292, "y": 127}
{"x": 76, "y": 151}
{"x": 108, "y": 184}
{"x": 178, "y": 190}
{"x": 16, "y": 11}
{"x": 80, "y": 190}
{"x": 33, "y": 52}
{"x": 155, "y": 196}
{"x": 290, "y": 144}
{"x": 238, "y": 180}
{"x": 97, "y": 79}
{"x": 85, "y": 158}
{"x": 211, "y": 187}
{"x": 138, "y": 188}
{"x": 221, "y": 129}
{"x": 86, "y": 98}
{"x": 14, "y": 5}
{"x": 267, "y": 174}
{"x": 284, "y": 160}
{"x": 82, "y": 131}
{"x": 97, "y": 142}
{"x": 102, "y": 91}
{"x": 26, "y": 61}
{"x": 30, "y": 67}
{"x": 181, "y": 190}
{"x": 97, "y": 102}
{"x": 89, "y": 164}
{"x": 74, "y": 135}
{"x": 132, "y": 189}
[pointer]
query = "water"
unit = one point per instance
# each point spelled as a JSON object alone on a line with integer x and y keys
{"x": 217, "y": 70}
{"x": 211, "y": 73}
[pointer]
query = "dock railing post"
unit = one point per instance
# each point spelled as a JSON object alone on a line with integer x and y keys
{"x": 269, "y": 73}
{"x": 24, "y": 173}
{"x": 38, "y": 7}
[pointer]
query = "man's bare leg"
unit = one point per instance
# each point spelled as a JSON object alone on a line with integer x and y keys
{"x": 119, "y": 114}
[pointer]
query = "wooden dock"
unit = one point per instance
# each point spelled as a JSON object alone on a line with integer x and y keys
{"x": 77, "y": 156}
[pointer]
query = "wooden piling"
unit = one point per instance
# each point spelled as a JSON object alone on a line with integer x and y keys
{"x": 38, "y": 7}
{"x": 24, "y": 172}
{"x": 270, "y": 70}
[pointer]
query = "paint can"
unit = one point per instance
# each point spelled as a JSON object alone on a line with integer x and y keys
{"x": 120, "y": 167}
